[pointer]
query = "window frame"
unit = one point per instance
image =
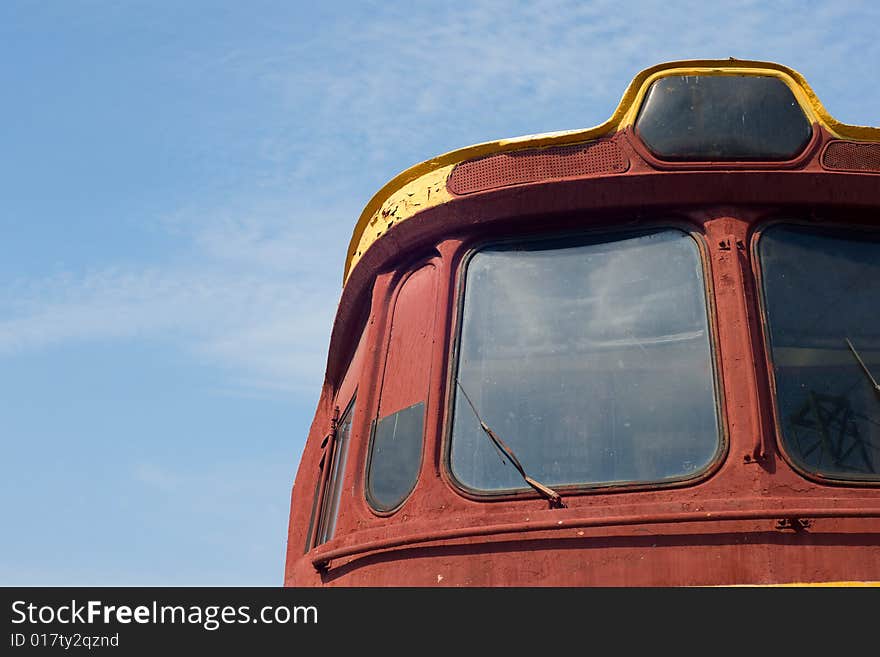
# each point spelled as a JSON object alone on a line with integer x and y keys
{"x": 328, "y": 484}
{"x": 823, "y": 223}
{"x": 408, "y": 269}
{"x": 815, "y": 141}
{"x": 458, "y": 270}
{"x": 371, "y": 501}
{"x": 346, "y": 387}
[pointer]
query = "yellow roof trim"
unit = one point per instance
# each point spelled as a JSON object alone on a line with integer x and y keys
{"x": 424, "y": 185}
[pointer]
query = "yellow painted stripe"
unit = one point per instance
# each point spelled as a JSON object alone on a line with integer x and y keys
{"x": 809, "y": 584}
{"x": 424, "y": 185}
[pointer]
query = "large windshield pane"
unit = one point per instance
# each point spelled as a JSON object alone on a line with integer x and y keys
{"x": 590, "y": 359}
{"x": 822, "y": 294}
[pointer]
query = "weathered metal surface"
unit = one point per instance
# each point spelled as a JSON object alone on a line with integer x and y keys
{"x": 722, "y": 530}
{"x": 410, "y": 341}
{"x": 752, "y": 520}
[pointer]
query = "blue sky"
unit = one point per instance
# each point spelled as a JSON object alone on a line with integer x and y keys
{"x": 179, "y": 183}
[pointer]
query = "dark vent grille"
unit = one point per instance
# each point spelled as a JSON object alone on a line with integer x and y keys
{"x": 520, "y": 167}
{"x": 852, "y": 156}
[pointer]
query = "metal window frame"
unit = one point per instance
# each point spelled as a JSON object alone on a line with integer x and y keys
{"x": 763, "y": 308}
{"x": 459, "y": 272}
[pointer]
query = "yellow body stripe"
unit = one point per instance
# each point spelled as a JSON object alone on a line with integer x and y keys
{"x": 808, "y": 584}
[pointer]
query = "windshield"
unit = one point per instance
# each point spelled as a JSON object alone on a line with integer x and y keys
{"x": 821, "y": 295}
{"x": 591, "y": 358}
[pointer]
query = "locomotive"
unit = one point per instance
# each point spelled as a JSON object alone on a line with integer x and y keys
{"x": 641, "y": 354}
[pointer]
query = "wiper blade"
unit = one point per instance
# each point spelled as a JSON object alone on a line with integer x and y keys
{"x": 864, "y": 367}
{"x": 545, "y": 491}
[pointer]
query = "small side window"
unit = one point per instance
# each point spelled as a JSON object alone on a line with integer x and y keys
{"x": 316, "y": 498}
{"x": 334, "y": 453}
{"x": 395, "y": 455}
{"x": 398, "y": 431}
{"x": 333, "y": 464}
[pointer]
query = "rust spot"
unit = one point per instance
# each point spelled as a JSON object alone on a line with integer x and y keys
{"x": 795, "y": 524}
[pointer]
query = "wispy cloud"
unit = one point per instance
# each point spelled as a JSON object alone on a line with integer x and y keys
{"x": 249, "y": 297}
{"x": 369, "y": 94}
{"x": 403, "y": 83}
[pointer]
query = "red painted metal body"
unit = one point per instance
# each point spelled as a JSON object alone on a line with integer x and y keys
{"x": 751, "y": 519}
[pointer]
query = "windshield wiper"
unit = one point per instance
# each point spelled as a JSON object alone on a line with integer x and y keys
{"x": 544, "y": 491}
{"x": 864, "y": 367}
